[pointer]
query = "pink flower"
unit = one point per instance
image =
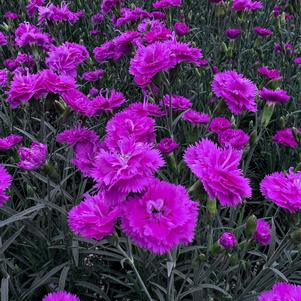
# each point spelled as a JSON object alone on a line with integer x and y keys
{"x": 158, "y": 32}
{"x": 196, "y": 117}
{"x": 276, "y": 11}
{"x": 217, "y": 168}
{"x": 262, "y": 233}
{"x": 178, "y": 103}
{"x": 167, "y": 145}
{"x": 129, "y": 167}
{"x": 297, "y": 60}
{"x": 285, "y": 137}
{"x": 274, "y": 96}
{"x": 33, "y": 157}
{"x": 246, "y": 5}
{"x": 167, "y": 3}
{"x": 272, "y": 74}
{"x": 107, "y": 103}
{"x": 3, "y": 39}
{"x": 160, "y": 219}
{"x": 131, "y": 15}
{"x": 5, "y": 182}
{"x": 10, "y": 15}
{"x": 3, "y": 78}
{"x": 219, "y": 124}
{"x": 283, "y": 189}
{"x": 10, "y": 141}
{"x": 235, "y": 138}
{"x": 181, "y": 29}
{"x": 146, "y": 109}
{"x": 238, "y": 92}
{"x": 97, "y": 18}
{"x": 233, "y": 33}
{"x": 282, "y": 292}
{"x": 32, "y": 7}
{"x": 263, "y": 32}
{"x": 60, "y": 296}
{"x": 228, "y": 240}
{"x": 93, "y": 76}
{"x": 93, "y": 92}
{"x": 108, "y": 5}
{"x": 93, "y": 218}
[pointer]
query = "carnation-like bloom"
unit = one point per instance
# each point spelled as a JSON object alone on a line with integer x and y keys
{"x": 131, "y": 15}
{"x": 263, "y": 32}
{"x": 262, "y": 233}
{"x": 33, "y": 157}
{"x": 297, "y": 60}
{"x": 129, "y": 167}
{"x": 274, "y": 96}
{"x": 272, "y": 74}
{"x": 3, "y": 39}
{"x": 246, "y": 5}
{"x": 286, "y": 137}
{"x": 232, "y": 33}
{"x": 181, "y": 29}
{"x": 283, "y": 189}
{"x": 160, "y": 219}
{"x": 93, "y": 218}
{"x": 238, "y": 91}
{"x": 282, "y": 292}
{"x": 93, "y": 76}
{"x": 61, "y": 296}
{"x": 228, "y": 240}
{"x": 219, "y": 124}
{"x": 218, "y": 170}
{"x": 5, "y": 181}
{"x": 167, "y": 145}
{"x": 235, "y": 138}
{"x": 106, "y": 103}
{"x": 146, "y": 109}
{"x": 178, "y": 103}
{"x": 3, "y": 78}
{"x": 167, "y": 3}
{"x": 32, "y": 7}
{"x": 10, "y": 141}
{"x": 107, "y": 5}
{"x": 196, "y": 117}
{"x": 9, "y": 15}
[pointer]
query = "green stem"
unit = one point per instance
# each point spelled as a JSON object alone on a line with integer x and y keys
{"x": 170, "y": 289}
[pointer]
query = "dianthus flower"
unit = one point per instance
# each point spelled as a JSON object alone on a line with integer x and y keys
{"x": 228, "y": 240}
{"x": 131, "y": 15}
{"x": 195, "y": 117}
{"x": 237, "y": 91}
{"x": 167, "y": 3}
{"x": 160, "y": 219}
{"x": 32, "y": 7}
{"x": 10, "y": 141}
{"x": 3, "y": 78}
{"x": 106, "y": 103}
{"x": 60, "y": 296}
{"x": 93, "y": 76}
{"x": 235, "y": 138}
{"x": 286, "y": 137}
{"x": 246, "y": 5}
{"x": 274, "y": 96}
{"x": 297, "y": 60}
{"x": 93, "y": 218}
{"x": 167, "y": 145}
{"x": 272, "y": 74}
{"x": 5, "y": 181}
{"x": 3, "y": 39}
{"x": 129, "y": 167}
{"x": 232, "y": 33}
{"x": 263, "y": 32}
{"x": 178, "y": 103}
{"x": 156, "y": 32}
{"x": 146, "y": 109}
{"x": 262, "y": 233}
{"x": 181, "y": 29}
{"x": 10, "y": 15}
{"x": 219, "y": 124}
{"x": 283, "y": 189}
{"x": 217, "y": 168}
{"x": 33, "y": 157}
{"x": 108, "y": 5}
{"x": 282, "y": 292}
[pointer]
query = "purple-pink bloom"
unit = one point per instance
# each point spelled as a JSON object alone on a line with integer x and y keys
{"x": 272, "y": 74}
{"x": 181, "y": 29}
{"x": 167, "y": 3}
{"x": 3, "y": 39}
{"x": 106, "y": 103}
{"x": 219, "y": 124}
{"x": 178, "y": 103}
{"x": 108, "y": 5}
{"x": 146, "y": 109}
{"x": 246, "y": 5}
{"x": 262, "y": 233}
{"x": 128, "y": 15}
{"x": 235, "y": 138}
{"x": 297, "y": 60}
{"x": 276, "y": 11}
{"x": 10, "y": 141}
{"x": 60, "y": 296}
{"x": 32, "y": 7}
{"x": 93, "y": 218}
{"x": 282, "y": 292}
{"x": 285, "y": 137}
{"x": 160, "y": 219}
{"x": 9, "y": 15}
{"x": 97, "y": 18}
{"x": 5, "y": 182}
{"x": 274, "y": 96}
{"x": 93, "y": 76}
{"x": 195, "y": 117}
{"x": 232, "y": 33}
{"x": 237, "y": 91}
{"x": 167, "y": 145}
{"x": 283, "y": 189}
{"x": 228, "y": 240}
{"x": 3, "y": 78}
{"x": 33, "y": 157}
{"x": 263, "y": 32}
{"x": 218, "y": 170}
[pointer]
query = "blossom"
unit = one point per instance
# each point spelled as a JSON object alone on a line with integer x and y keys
{"x": 33, "y": 157}
{"x": 93, "y": 76}
{"x": 246, "y": 5}
{"x": 219, "y": 124}
{"x": 3, "y": 39}
{"x": 146, "y": 109}
{"x": 274, "y": 96}
{"x": 178, "y": 103}
{"x": 160, "y": 219}
{"x": 262, "y": 233}
{"x": 97, "y": 18}
{"x": 283, "y": 189}
{"x": 93, "y": 218}
{"x": 263, "y": 32}
{"x": 235, "y": 138}
{"x": 131, "y": 15}
{"x": 10, "y": 15}
{"x": 297, "y": 60}
{"x": 93, "y": 92}
{"x": 10, "y": 141}
{"x": 60, "y": 296}
{"x": 276, "y": 11}
{"x": 110, "y": 101}
{"x": 232, "y": 33}
{"x": 156, "y": 31}
{"x": 3, "y": 78}
{"x": 181, "y": 29}
{"x": 64, "y": 59}
{"x": 272, "y": 74}
{"x": 285, "y": 137}
{"x": 33, "y": 6}
{"x": 167, "y": 3}
{"x": 108, "y": 5}
{"x": 5, "y": 182}
{"x": 282, "y": 291}
{"x": 238, "y": 92}
{"x": 128, "y": 167}
{"x": 195, "y": 117}
{"x": 228, "y": 240}
{"x": 167, "y": 145}
{"x": 217, "y": 168}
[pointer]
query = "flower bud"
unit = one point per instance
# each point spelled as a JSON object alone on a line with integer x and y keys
{"x": 296, "y": 236}
{"x": 251, "y": 226}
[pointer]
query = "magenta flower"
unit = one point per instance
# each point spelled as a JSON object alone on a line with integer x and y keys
{"x": 3, "y": 39}
{"x": 93, "y": 92}
{"x": 237, "y": 91}
{"x": 33, "y": 157}
{"x": 246, "y": 5}
{"x": 282, "y": 292}
{"x": 283, "y": 189}
{"x": 32, "y": 7}
{"x": 108, "y": 5}
{"x": 10, "y": 15}
{"x": 262, "y": 233}
{"x": 107, "y": 103}
{"x": 10, "y": 141}
{"x": 263, "y": 32}
{"x": 167, "y": 145}
{"x": 93, "y": 76}
{"x": 272, "y": 74}
{"x": 219, "y": 124}
{"x": 161, "y": 219}
{"x": 5, "y": 182}
{"x": 228, "y": 240}
{"x": 235, "y": 138}
{"x": 131, "y": 15}
{"x": 217, "y": 168}
{"x": 97, "y": 18}
{"x": 297, "y": 60}
{"x": 195, "y": 117}
{"x": 93, "y": 218}
{"x": 181, "y": 29}
{"x": 129, "y": 167}
{"x": 274, "y": 96}
{"x": 276, "y": 11}
{"x": 178, "y": 103}
{"x": 60, "y": 296}
{"x": 285, "y": 137}
{"x": 167, "y": 3}
{"x": 146, "y": 109}
{"x": 3, "y": 78}
{"x": 233, "y": 33}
